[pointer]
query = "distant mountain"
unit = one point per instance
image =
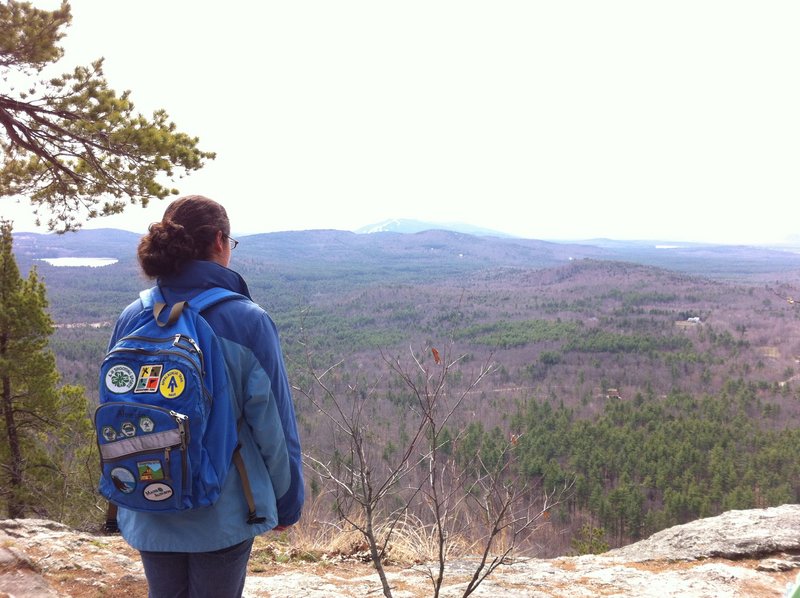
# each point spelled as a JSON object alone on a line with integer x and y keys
{"x": 428, "y": 252}
{"x": 405, "y": 225}
{"x": 100, "y": 242}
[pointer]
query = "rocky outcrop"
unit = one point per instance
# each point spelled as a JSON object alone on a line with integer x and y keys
{"x": 742, "y": 554}
{"x": 44, "y": 559}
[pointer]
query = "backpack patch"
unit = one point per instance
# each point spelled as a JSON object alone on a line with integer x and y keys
{"x": 165, "y": 423}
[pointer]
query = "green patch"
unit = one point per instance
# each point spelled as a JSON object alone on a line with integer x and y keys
{"x": 505, "y": 334}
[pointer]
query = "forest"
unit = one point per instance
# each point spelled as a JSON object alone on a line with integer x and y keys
{"x": 658, "y": 387}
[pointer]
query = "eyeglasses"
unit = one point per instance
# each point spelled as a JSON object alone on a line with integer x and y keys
{"x": 232, "y": 241}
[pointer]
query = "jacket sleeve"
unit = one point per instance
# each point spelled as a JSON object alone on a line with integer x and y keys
{"x": 269, "y": 411}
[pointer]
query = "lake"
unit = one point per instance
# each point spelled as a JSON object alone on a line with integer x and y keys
{"x": 91, "y": 262}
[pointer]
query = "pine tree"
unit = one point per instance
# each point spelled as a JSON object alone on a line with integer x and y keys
{"x": 45, "y": 431}
{"x": 71, "y": 144}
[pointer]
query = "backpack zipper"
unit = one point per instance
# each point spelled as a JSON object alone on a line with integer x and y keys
{"x": 197, "y": 367}
{"x": 193, "y": 347}
{"x": 183, "y": 430}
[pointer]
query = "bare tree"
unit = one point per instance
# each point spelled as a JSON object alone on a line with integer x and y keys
{"x": 375, "y": 494}
{"x": 510, "y": 516}
{"x": 452, "y": 494}
{"x": 352, "y": 470}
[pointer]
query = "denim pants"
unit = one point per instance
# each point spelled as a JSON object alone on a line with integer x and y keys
{"x": 218, "y": 574}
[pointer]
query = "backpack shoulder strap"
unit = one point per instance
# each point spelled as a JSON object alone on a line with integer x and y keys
{"x": 211, "y": 297}
{"x": 199, "y": 303}
{"x": 152, "y": 298}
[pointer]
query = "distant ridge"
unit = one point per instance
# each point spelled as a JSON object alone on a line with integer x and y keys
{"x": 410, "y": 226}
{"x": 425, "y": 248}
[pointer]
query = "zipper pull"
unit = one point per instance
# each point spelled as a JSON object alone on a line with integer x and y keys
{"x": 181, "y": 420}
{"x": 167, "y": 468}
{"x": 193, "y": 346}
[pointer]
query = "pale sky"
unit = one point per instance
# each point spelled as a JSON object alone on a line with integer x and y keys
{"x": 567, "y": 119}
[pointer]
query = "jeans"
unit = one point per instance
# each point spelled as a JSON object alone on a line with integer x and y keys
{"x": 218, "y": 574}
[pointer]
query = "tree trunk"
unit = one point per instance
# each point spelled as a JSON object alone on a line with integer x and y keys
{"x": 375, "y": 555}
{"x": 15, "y": 508}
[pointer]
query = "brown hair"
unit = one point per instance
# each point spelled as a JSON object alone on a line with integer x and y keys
{"x": 186, "y": 232}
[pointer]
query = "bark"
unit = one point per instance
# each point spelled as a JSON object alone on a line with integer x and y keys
{"x": 15, "y": 508}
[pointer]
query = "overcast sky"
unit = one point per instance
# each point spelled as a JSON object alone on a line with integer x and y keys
{"x": 671, "y": 120}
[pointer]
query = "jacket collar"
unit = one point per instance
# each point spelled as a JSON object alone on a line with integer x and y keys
{"x": 198, "y": 275}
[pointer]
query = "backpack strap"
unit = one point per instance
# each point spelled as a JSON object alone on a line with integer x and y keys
{"x": 199, "y": 303}
{"x": 110, "y": 526}
{"x": 153, "y": 298}
{"x": 252, "y": 517}
{"x": 212, "y": 296}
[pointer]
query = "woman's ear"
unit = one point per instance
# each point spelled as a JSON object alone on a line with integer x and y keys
{"x": 219, "y": 242}
{"x": 220, "y": 250}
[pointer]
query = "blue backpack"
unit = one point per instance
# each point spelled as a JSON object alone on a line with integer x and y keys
{"x": 165, "y": 423}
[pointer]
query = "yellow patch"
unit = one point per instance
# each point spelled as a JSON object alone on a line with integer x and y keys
{"x": 172, "y": 384}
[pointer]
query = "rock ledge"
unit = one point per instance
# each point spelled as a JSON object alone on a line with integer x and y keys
{"x": 742, "y": 554}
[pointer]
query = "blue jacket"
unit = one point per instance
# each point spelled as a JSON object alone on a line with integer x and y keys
{"x": 269, "y": 439}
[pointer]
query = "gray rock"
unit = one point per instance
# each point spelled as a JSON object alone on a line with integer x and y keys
{"x": 35, "y": 551}
{"x": 787, "y": 563}
{"x": 732, "y": 535}
{"x": 24, "y": 583}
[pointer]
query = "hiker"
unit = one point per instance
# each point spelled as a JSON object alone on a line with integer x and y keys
{"x": 203, "y": 552}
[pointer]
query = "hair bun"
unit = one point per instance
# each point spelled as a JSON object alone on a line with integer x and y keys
{"x": 186, "y": 232}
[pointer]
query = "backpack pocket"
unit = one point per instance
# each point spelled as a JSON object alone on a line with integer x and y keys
{"x": 143, "y": 456}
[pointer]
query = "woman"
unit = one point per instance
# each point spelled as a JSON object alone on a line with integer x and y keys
{"x": 204, "y": 552}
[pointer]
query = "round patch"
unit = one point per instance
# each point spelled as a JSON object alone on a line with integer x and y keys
{"x": 172, "y": 384}
{"x": 157, "y": 492}
{"x": 120, "y": 378}
{"x": 123, "y": 480}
